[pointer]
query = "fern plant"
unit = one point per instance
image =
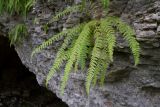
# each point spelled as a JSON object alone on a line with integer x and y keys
{"x": 16, "y": 6}
{"x": 17, "y": 33}
{"x": 94, "y": 40}
{"x": 67, "y": 11}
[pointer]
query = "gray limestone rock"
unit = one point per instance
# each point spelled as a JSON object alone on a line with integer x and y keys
{"x": 125, "y": 85}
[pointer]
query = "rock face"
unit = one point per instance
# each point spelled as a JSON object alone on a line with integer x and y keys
{"x": 125, "y": 85}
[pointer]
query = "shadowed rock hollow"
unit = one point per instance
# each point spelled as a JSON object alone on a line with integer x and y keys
{"x": 18, "y": 86}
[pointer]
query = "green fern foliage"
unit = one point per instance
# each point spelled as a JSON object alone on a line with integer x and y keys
{"x": 65, "y": 12}
{"x": 128, "y": 33}
{"x": 105, "y": 3}
{"x": 95, "y": 41}
{"x": 78, "y": 40}
{"x": 54, "y": 38}
{"x": 77, "y": 49}
{"x": 62, "y": 55}
{"x": 16, "y": 6}
{"x": 18, "y": 33}
{"x": 76, "y": 8}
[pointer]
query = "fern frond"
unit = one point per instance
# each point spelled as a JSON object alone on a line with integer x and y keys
{"x": 96, "y": 55}
{"x": 56, "y": 38}
{"x": 62, "y": 55}
{"x": 129, "y": 35}
{"x": 96, "y": 73}
{"x": 105, "y": 3}
{"x": 28, "y": 6}
{"x": 84, "y": 42}
{"x": 110, "y": 39}
{"x": 65, "y": 12}
{"x": 104, "y": 65}
{"x": 76, "y": 50}
{"x": 72, "y": 35}
{"x": 48, "y": 42}
{"x": 67, "y": 71}
{"x": 83, "y": 3}
{"x": 57, "y": 64}
{"x": 17, "y": 33}
{"x": 101, "y": 71}
{"x": 1, "y": 6}
{"x": 91, "y": 72}
{"x": 19, "y": 6}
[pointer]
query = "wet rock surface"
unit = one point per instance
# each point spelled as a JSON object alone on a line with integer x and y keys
{"x": 125, "y": 85}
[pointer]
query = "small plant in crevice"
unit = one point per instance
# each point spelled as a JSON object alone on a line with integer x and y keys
{"x": 17, "y": 33}
{"x": 16, "y": 6}
{"x": 94, "y": 40}
{"x": 67, "y": 11}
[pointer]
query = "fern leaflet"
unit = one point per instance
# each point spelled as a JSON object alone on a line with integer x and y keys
{"x": 65, "y": 12}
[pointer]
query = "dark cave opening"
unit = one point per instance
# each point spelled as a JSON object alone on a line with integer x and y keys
{"x": 18, "y": 86}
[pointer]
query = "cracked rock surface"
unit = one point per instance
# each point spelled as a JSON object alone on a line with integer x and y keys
{"x": 125, "y": 85}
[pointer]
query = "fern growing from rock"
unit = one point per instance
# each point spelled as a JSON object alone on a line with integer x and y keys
{"x": 16, "y": 6}
{"x": 94, "y": 40}
{"x": 17, "y": 33}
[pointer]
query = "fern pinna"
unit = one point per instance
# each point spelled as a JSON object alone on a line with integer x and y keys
{"x": 94, "y": 40}
{"x": 16, "y": 6}
{"x": 17, "y": 33}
